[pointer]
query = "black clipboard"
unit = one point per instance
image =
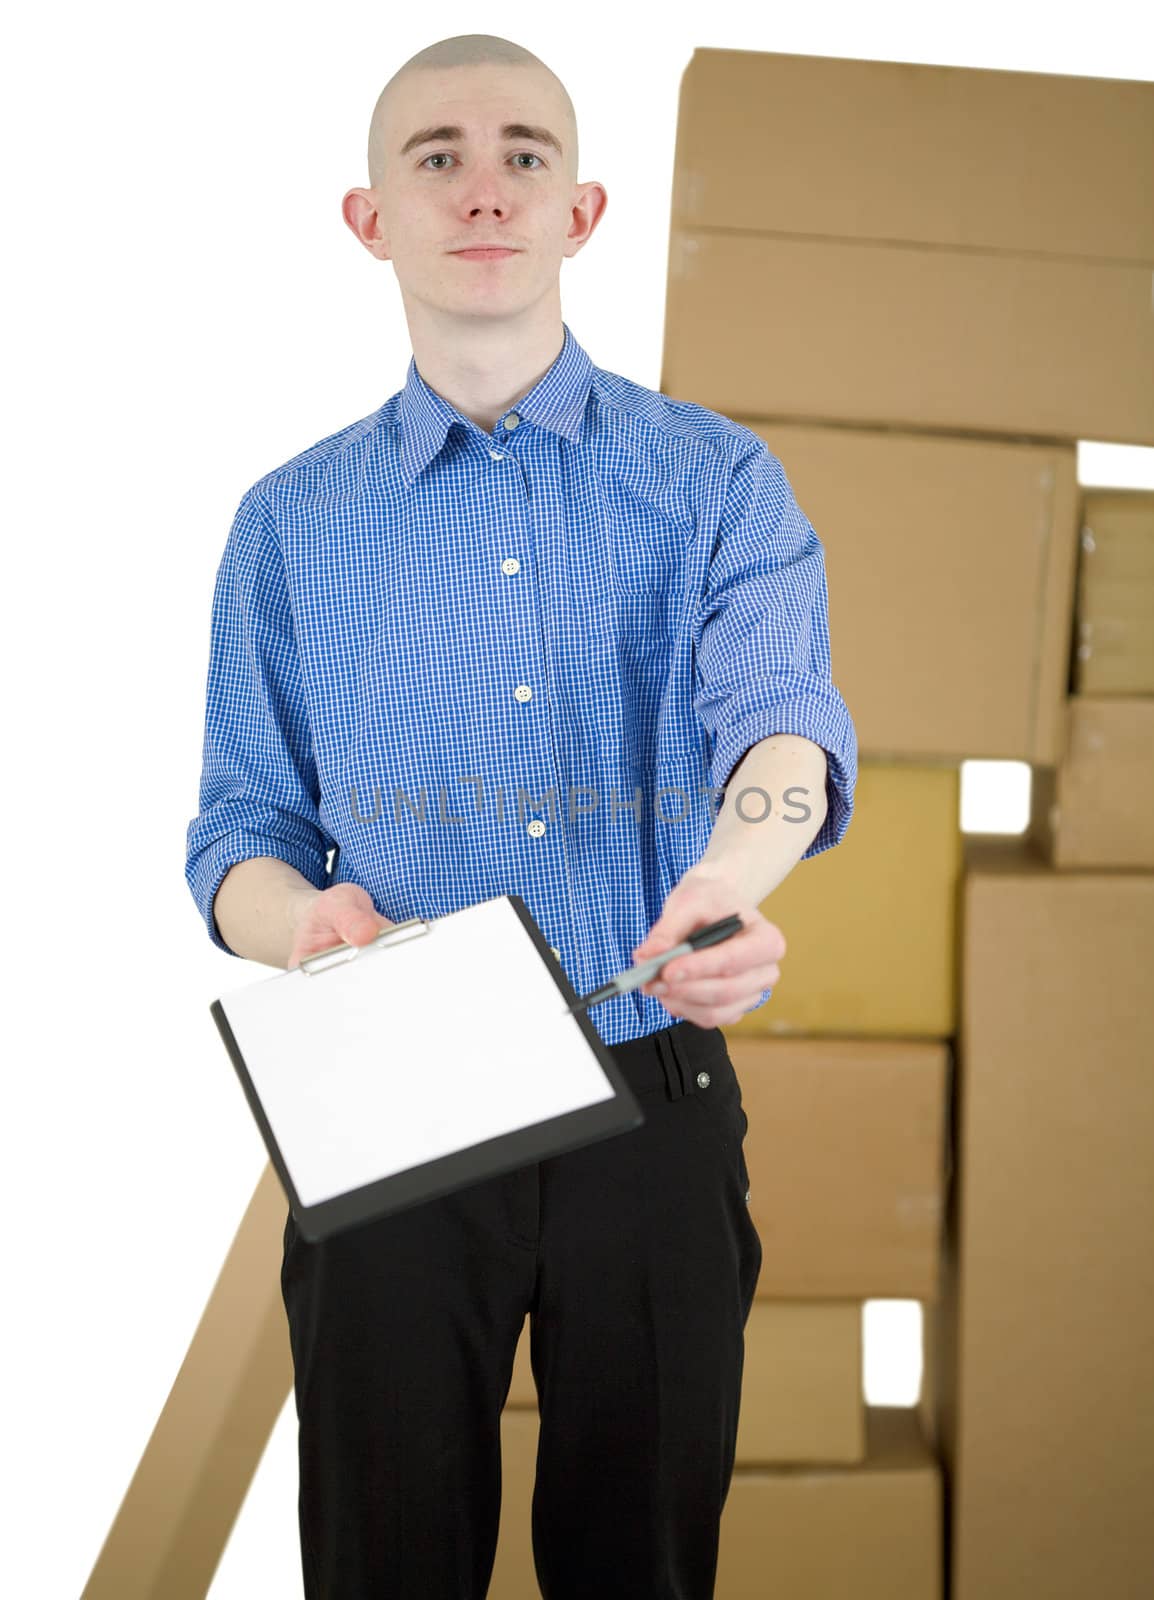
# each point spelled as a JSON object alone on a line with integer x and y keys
{"x": 247, "y": 1039}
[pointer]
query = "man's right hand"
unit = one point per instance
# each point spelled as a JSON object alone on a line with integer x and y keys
{"x": 344, "y": 914}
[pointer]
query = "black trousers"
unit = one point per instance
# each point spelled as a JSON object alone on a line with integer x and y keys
{"x": 635, "y": 1259}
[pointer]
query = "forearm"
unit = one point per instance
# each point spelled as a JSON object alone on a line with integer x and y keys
{"x": 758, "y": 838}
{"x": 257, "y": 906}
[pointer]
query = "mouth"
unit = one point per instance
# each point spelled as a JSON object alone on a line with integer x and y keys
{"x": 484, "y": 253}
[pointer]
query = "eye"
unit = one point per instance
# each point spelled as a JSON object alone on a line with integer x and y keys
{"x": 439, "y": 154}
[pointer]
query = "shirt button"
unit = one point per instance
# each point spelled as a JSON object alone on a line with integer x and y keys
{"x": 703, "y": 1080}
{"x": 536, "y": 828}
{"x": 512, "y": 420}
{"x": 498, "y": 455}
{"x": 522, "y": 692}
{"x": 510, "y": 565}
{"x": 555, "y": 951}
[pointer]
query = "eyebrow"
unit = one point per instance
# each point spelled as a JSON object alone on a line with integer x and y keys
{"x": 511, "y": 130}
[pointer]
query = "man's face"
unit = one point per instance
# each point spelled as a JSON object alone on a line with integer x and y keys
{"x": 482, "y": 186}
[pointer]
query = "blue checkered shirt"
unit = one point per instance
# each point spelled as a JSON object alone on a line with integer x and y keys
{"x": 447, "y": 664}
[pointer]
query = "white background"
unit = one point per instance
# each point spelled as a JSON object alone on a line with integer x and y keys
{"x": 186, "y": 310}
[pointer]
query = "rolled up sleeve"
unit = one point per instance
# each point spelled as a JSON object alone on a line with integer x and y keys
{"x": 762, "y": 647}
{"x": 258, "y": 785}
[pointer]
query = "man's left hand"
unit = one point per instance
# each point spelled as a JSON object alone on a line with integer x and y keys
{"x": 721, "y": 983}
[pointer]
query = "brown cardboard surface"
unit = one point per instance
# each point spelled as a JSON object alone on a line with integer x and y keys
{"x": 801, "y": 1397}
{"x": 1053, "y": 1442}
{"x": 1095, "y": 810}
{"x": 1129, "y": 600}
{"x": 938, "y": 1400}
{"x": 848, "y": 1153}
{"x": 1116, "y": 650}
{"x": 870, "y": 926}
{"x": 933, "y": 657}
{"x": 1117, "y": 533}
{"x": 870, "y": 1532}
{"x": 927, "y": 1406}
{"x": 936, "y": 155}
{"x": 852, "y": 332}
{"x": 178, "y": 1512}
{"x": 514, "y": 1576}
{"x": 1115, "y": 594}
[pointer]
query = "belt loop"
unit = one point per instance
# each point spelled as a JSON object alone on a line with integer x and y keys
{"x": 681, "y": 1052}
{"x": 674, "y": 1082}
{"x": 678, "y": 1063}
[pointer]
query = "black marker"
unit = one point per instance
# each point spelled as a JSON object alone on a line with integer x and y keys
{"x": 712, "y": 933}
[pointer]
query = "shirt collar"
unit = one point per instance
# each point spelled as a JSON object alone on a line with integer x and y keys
{"x": 556, "y": 401}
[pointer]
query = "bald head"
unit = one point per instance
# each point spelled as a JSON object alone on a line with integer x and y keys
{"x": 465, "y": 50}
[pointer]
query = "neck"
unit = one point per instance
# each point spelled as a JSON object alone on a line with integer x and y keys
{"x": 483, "y": 365}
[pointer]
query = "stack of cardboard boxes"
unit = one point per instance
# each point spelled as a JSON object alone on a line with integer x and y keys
{"x": 921, "y": 286}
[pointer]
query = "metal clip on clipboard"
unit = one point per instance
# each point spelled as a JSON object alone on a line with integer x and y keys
{"x": 337, "y": 954}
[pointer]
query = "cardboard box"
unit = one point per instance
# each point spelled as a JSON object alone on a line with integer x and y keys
{"x": 870, "y": 1532}
{"x": 848, "y": 1153}
{"x": 1052, "y": 1435}
{"x": 934, "y": 658}
{"x": 1094, "y": 810}
{"x": 1115, "y": 601}
{"x": 940, "y": 247}
{"x": 801, "y": 1393}
{"x": 776, "y": 327}
{"x": 954, "y": 157}
{"x": 870, "y": 926}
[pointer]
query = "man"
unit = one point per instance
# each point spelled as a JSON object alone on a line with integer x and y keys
{"x": 472, "y": 645}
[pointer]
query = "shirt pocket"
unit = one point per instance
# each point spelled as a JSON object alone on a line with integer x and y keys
{"x": 648, "y": 550}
